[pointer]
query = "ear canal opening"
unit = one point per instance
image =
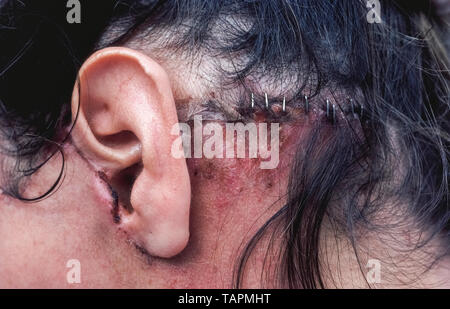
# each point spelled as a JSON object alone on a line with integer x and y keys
{"x": 123, "y": 182}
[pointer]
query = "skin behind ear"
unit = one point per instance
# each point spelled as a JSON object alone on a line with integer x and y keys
{"x": 126, "y": 113}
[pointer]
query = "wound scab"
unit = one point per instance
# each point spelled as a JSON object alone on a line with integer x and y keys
{"x": 110, "y": 197}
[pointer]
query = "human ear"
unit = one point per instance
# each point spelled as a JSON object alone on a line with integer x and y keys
{"x": 124, "y": 111}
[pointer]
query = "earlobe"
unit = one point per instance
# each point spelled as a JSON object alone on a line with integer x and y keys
{"x": 125, "y": 112}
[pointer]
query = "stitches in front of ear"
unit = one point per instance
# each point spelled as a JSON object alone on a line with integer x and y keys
{"x": 326, "y": 109}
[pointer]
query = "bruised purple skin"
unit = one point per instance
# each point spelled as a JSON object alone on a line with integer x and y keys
{"x": 240, "y": 177}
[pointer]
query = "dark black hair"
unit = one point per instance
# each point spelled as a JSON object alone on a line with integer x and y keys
{"x": 392, "y": 162}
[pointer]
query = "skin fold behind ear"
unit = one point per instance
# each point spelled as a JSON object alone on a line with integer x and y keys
{"x": 126, "y": 111}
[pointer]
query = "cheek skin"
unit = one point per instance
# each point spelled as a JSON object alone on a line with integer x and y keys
{"x": 73, "y": 223}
